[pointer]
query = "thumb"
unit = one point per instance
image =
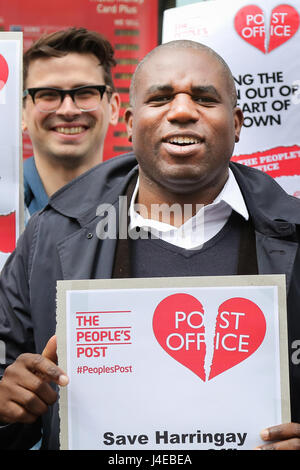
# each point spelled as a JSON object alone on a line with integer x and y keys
{"x": 49, "y": 352}
{"x": 50, "y": 349}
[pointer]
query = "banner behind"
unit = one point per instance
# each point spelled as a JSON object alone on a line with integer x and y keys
{"x": 130, "y": 25}
{"x": 11, "y": 204}
{"x": 260, "y": 43}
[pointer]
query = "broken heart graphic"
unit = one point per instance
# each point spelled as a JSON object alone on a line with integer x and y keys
{"x": 250, "y": 24}
{"x": 179, "y": 327}
{"x": 240, "y": 330}
{"x": 3, "y": 72}
{"x": 174, "y": 323}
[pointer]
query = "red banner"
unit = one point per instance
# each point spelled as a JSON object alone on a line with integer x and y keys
{"x": 130, "y": 25}
{"x": 277, "y": 162}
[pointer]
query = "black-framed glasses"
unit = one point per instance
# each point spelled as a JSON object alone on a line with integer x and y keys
{"x": 86, "y": 98}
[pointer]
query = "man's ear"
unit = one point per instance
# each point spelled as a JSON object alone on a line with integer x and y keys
{"x": 238, "y": 122}
{"x": 128, "y": 117}
{"x": 115, "y": 103}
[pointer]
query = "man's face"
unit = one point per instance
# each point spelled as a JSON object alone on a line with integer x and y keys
{"x": 68, "y": 134}
{"x": 183, "y": 123}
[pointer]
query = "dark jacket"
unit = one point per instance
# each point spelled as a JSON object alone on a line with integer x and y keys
{"x": 35, "y": 197}
{"x": 61, "y": 242}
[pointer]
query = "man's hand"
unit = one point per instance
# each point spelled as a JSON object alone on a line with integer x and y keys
{"x": 283, "y": 437}
{"x": 25, "y": 391}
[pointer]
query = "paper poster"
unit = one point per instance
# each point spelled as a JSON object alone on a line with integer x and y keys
{"x": 172, "y": 363}
{"x": 260, "y": 43}
{"x": 130, "y": 25}
{"x": 11, "y": 186}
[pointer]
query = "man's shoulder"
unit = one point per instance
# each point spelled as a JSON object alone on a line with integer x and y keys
{"x": 263, "y": 193}
{"x": 97, "y": 185}
{"x": 106, "y": 171}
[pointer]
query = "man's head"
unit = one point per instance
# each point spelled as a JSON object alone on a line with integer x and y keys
{"x": 183, "y": 120}
{"x": 66, "y": 60}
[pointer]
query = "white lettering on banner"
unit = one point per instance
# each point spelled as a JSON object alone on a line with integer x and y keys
{"x": 106, "y": 9}
{"x": 115, "y": 9}
{"x": 227, "y": 323}
{"x": 184, "y": 341}
{"x": 181, "y": 316}
{"x": 229, "y": 342}
{"x": 256, "y": 19}
{"x": 255, "y": 26}
{"x": 260, "y": 31}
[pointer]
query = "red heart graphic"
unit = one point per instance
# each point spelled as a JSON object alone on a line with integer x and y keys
{"x": 3, "y": 71}
{"x": 284, "y": 24}
{"x": 240, "y": 330}
{"x": 179, "y": 328}
{"x": 249, "y": 23}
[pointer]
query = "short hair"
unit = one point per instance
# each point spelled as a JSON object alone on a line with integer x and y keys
{"x": 63, "y": 42}
{"x": 185, "y": 44}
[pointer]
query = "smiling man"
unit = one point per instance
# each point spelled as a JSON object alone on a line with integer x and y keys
{"x": 67, "y": 130}
{"x": 183, "y": 123}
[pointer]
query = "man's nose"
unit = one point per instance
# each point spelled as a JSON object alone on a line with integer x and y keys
{"x": 183, "y": 108}
{"x": 68, "y": 107}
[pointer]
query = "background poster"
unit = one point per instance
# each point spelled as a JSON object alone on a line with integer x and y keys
{"x": 260, "y": 43}
{"x": 130, "y": 25}
{"x": 11, "y": 187}
{"x": 172, "y": 363}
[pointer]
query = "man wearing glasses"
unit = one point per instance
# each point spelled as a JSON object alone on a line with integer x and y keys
{"x": 69, "y": 101}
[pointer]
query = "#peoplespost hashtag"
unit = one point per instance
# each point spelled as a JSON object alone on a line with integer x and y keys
{"x": 105, "y": 369}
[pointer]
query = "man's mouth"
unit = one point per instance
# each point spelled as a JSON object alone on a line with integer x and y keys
{"x": 70, "y": 130}
{"x": 183, "y": 140}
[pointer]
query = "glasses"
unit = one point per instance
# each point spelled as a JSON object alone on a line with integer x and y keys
{"x": 86, "y": 98}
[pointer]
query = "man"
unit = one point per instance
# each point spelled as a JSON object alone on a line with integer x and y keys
{"x": 183, "y": 123}
{"x": 67, "y": 130}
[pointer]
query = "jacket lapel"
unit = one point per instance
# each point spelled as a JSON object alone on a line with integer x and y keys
{"x": 275, "y": 256}
{"x": 89, "y": 252}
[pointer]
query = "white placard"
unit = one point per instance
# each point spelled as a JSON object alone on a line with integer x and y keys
{"x": 172, "y": 363}
{"x": 11, "y": 179}
{"x": 260, "y": 43}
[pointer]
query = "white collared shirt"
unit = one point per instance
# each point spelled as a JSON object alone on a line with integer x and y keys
{"x": 200, "y": 228}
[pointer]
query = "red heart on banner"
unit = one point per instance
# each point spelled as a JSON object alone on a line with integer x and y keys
{"x": 240, "y": 330}
{"x": 249, "y": 23}
{"x": 3, "y": 72}
{"x": 284, "y": 24}
{"x": 178, "y": 325}
{"x": 248, "y": 18}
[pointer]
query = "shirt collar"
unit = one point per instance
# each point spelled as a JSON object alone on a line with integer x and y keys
{"x": 231, "y": 195}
